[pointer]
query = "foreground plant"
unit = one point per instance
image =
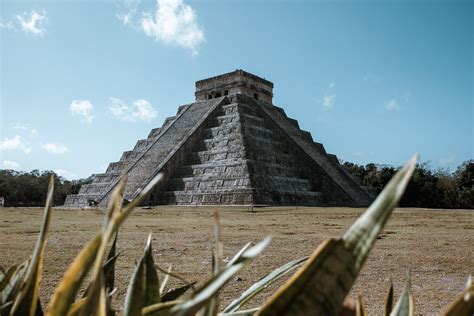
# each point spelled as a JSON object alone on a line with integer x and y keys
{"x": 319, "y": 287}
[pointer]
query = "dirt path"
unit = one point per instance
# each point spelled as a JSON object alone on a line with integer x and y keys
{"x": 436, "y": 245}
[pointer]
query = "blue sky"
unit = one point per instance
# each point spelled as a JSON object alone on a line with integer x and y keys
{"x": 374, "y": 81}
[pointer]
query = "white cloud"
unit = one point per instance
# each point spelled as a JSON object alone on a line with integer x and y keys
{"x": 33, "y": 22}
{"x": 8, "y": 164}
{"x": 328, "y": 101}
{"x": 140, "y": 110}
{"x": 82, "y": 108}
{"x": 7, "y": 25}
{"x": 15, "y": 143}
{"x": 65, "y": 174}
{"x": 173, "y": 22}
{"x": 25, "y": 128}
{"x": 392, "y": 105}
{"x": 53, "y": 148}
{"x": 331, "y": 85}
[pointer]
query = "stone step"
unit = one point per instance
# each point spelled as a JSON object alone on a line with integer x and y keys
{"x": 154, "y": 132}
{"x": 230, "y": 166}
{"x": 205, "y": 156}
{"x": 232, "y": 196}
{"x": 106, "y": 177}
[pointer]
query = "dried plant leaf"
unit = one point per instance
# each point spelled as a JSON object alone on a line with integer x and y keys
{"x": 175, "y": 293}
{"x": 165, "y": 280}
{"x": 323, "y": 282}
{"x": 208, "y": 290}
{"x": 263, "y": 283}
{"x": 404, "y": 306}
{"x": 27, "y": 299}
{"x": 389, "y": 300}
{"x": 67, "y": 289}
{"x": 136, "y": 291}
{"x": 360, "y": 307}
{"x": 463, "y": 305}
{"x": 152, "y": 282}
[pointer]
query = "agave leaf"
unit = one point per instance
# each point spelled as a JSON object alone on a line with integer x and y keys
{"x": 6, "y": 276}
{"x": 109, "y": 266}
{"x": 360, "y": 307}
{"x": 389, "y": 300}
{"x": 263, "y": 283}
{"x": 404, "y": 306}
{"x": 152, "y": 282}
{"x": 323, "y": 282}
{"x": 12, "y": 284}
{"x": 247, "y": 312}
{"x": 161, "y": 309}
{"x": 239, "y": 254}
{"x": 76, "y": 307}
{"x": 165, "y": 280}
{"x": 463, "y": 305}
{"x": 27, "y": 299}
{"x": 209, "y": 289}
{"x": 175, "y": 293}
{"x": 67, "y": 289}
{"x": 136, "y": 291}
{"x": 93, "y": 302}
{"x": 5, "y": 308}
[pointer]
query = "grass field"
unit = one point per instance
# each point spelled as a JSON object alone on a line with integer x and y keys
{"x": 436, "y": 245}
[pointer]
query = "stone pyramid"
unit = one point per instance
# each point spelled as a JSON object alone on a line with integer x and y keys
{"x": 232, "y": 146}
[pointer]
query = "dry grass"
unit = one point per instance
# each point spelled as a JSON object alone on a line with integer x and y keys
{"x": 436, "y": 245}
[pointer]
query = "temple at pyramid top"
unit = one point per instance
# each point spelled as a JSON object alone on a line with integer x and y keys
{"x": 232, "y": 146}
{"x": 236, "y": 82}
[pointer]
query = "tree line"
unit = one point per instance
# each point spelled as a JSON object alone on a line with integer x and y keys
{"x": 429, "y": 188}
{"x": 29, "y": 188}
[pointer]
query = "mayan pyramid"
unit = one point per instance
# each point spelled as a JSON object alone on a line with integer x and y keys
{"x": 231, "y": 146}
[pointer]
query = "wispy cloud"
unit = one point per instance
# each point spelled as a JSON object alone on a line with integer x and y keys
{"x": 15, "y": 143}
{"x": 82, "y": 108}
{"x": 54, "y": 148}
{"x": 33, "y": 22}
{"x": 7, "y": 25}
{"x": 392, "y": 105}
{"x": 140, "y": 110}
{"x": 328, "y": 101}
{"x": 172, "y": 22}
{"x": 25, "y": 128}
{"x": 65, "y": 174}
{"x": 8, "y": 164}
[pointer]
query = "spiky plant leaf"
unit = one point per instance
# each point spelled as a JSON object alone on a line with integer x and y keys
{"x": 208, "y": 290}
{"x": 247, "y": 312}
{"x": 67, "y": 289}
{"x": 26, "y": 301}
{"x": 404, "y": 306}
{"x": 109, "y": 266}
{"x": 152, "y": 282}
{"x": 463, "y": 305}
{"x": 11, "y": 286}
{"x": 93, "y": 301}
{"x": 165, "y": 280}
{"x": 389, "y": 300}
{"x": 323, "y": 282}
{"x": 134, "y": 297}
{"x": 161, "y": 309}
{"x": 360, "y": 307}
{"x": 263, "y": 283}
{"x": 175, "y": 293}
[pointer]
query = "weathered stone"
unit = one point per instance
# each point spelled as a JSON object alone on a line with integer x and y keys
{"x": 232, "y": 146}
